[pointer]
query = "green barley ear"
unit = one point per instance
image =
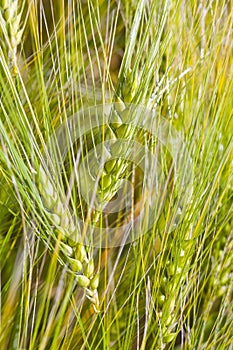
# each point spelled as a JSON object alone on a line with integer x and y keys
{"x": 11, "y": 27}
{"x": 220, "y": 283}
{"x": 71, "y": 248}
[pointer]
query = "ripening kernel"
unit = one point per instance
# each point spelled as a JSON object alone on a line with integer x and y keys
{"x": 83, "y": 281}
{"x": 94, "y": 282}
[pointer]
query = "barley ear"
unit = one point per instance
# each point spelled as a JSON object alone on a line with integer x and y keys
{"x": 175, "y": 274}
{"x": 71, "y": 248}
{"x": 11, "y": 22}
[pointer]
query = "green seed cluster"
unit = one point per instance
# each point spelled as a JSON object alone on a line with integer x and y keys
{"x": 75, "y": 254}
{"x": 221, "y": 278}
{"x": 115, "y": 167}
{"x": 110, "y": 180}
{"x": 173, "y": 278}
{"x": 119, "y": 128}
{"x": 224, "y": 272}
{"x": 11, "y": 19}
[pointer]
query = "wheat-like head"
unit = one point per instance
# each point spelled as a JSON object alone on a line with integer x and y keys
{"x": 78, "y": 260}
{"x": 75, "y": 253}
{"x": 11, "y": 26}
